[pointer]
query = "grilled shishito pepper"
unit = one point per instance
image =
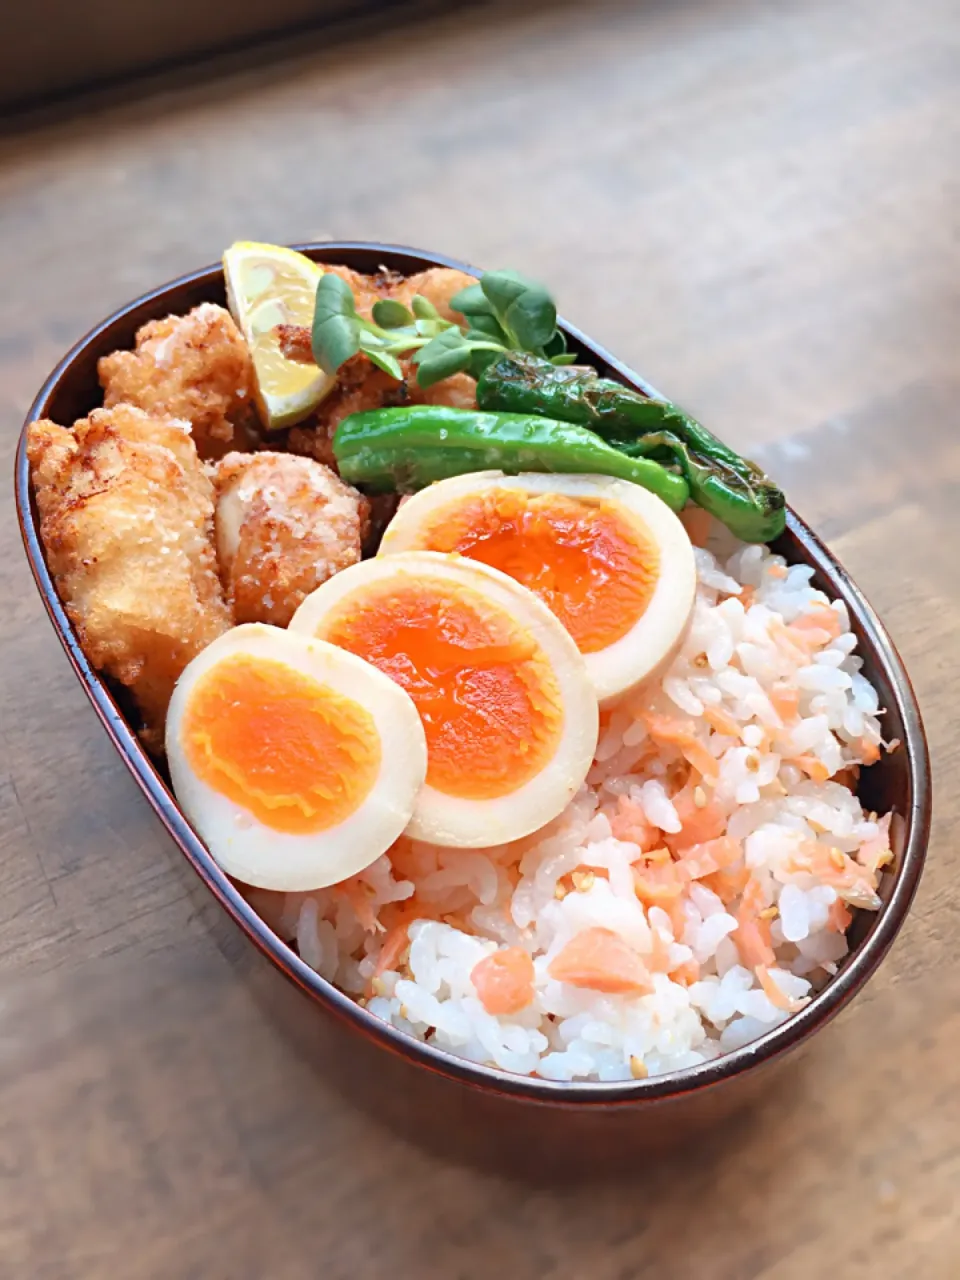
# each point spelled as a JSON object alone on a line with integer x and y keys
{"x": 407, "y": 448}
{"x": 731, "y": 488}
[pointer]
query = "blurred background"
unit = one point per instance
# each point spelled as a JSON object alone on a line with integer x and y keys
{"x": 753, "y": 204}
{"x": 747, "y": 201}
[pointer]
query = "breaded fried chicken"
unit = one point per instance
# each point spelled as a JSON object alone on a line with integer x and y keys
{"x": 126, "y": 520}
{"x": 283, "y": 525}
{"x": 459, "y": 391}
{"x": 195, "y": 367}
{"x": 366, "y": 290}
{"x": 360, "y": 386}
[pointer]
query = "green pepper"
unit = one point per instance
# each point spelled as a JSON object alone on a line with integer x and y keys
{"x": 731, "y": 488}
{"x": 407, "y": 448}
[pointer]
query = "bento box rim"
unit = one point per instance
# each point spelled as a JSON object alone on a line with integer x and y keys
{"x": 857, "y": 969}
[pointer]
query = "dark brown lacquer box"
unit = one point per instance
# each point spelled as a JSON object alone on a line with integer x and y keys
{"x": 471, "y": 1112}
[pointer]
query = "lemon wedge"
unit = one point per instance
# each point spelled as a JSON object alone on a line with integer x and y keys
{"x": 268, "y": 285}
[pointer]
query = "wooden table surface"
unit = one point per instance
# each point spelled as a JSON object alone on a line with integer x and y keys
{"x": 754, "y": 204}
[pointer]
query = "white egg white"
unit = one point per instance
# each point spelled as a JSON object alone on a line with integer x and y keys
{"x": 255, "y": 853}
{"x": 655, "y": 636}
{"x": 453, "y": 820}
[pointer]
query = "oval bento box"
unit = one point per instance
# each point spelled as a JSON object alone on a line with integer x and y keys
{"x": 472, "y": 1111}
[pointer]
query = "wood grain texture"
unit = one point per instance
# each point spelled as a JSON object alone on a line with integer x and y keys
{"x": 109, "y": 40}
{"x": 755, "y": 205}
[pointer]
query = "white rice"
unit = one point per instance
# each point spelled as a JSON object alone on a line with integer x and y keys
{"x": 804, "y": 847}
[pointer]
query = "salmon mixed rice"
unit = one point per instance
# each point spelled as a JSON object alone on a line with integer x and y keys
{"x": 693, "y": 895}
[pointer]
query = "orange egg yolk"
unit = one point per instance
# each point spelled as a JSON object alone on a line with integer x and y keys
{"x": 595, "y": 568}
{"x": 486, "y": 693}
{"x": 290, "y": 750}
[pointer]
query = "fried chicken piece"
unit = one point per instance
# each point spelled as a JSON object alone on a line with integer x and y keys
{"x": 360, "y": 386}
{"x": 196, "y": 367}
{"x": 126, "y": 520}
{"x": 312, "y": 440}
{"x": 366, "y": 289}
{"x": 294, "y": 341}
{"x": 459, "y": 391}
{"x": 438, "y": 285}
{"x": 283, "y": 526}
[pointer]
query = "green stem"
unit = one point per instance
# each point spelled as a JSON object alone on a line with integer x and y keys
{"x": 414, "y": 344}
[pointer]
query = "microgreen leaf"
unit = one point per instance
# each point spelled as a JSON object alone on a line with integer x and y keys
{"x": 471, "y": 301}
{"x": 334, "y": 297}
{"x": 432, "y": 325}
{"x": 380, "y": 351}
{"x": 446, "y": 354}
{"x": 423, "y": 308}
{"x": 565, "y": 357}
{"x": 556, "y": 346}
{"x": 336, "y": 332}
{"x": 371, "y": 339}
{"x": 404, "y": 344}
{"x": 449, "y": 340}
{"x": 486, "y": 329}
{"x": 390, "y": 314}
{"x": 503, "y": 288}
{"x": 525, "y": 310}
{"x": 532, "y": 318}
{"x": 385, "y": 361}
{"x": 480, "y": 358}
{"x": 334, "y": 342}
{"x": 453, "y": 361}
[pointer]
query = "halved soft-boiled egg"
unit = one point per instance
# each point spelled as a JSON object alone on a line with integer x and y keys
{"x": 611, "y": 560}
{"x": 507, "y": 707}
{"x": 298, "y": 763}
